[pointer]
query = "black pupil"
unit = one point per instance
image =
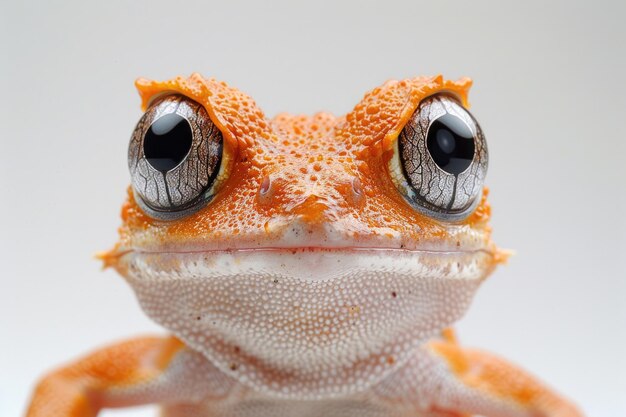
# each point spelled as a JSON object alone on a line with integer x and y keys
{"x": 167, "y": 142}
{"x": 451, "y": 144}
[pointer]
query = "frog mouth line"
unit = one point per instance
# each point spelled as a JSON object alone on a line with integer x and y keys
{"x": 308, "y": 263}
{"x": 303, "y": 249}
{"x": 492, "y": 255}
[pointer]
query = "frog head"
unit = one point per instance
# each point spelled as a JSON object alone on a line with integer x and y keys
{"x": 306, "y": 255}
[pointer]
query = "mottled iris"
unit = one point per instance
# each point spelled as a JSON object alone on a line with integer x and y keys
{"x": 174, "y": 157}
{"x": 443, "y": 157}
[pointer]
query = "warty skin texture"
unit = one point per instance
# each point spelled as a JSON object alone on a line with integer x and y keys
{"x": 307, "y": 286}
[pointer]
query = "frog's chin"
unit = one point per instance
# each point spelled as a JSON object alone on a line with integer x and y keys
{"x": 307, "y": 322}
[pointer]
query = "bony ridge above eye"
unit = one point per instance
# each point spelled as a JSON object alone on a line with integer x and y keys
{"x": 440, "y": 159}
{"x": 174, "y": 157}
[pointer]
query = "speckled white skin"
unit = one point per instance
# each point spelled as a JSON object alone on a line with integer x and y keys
{"x": 307, "y": 323}
{"x": 423, "y": 387}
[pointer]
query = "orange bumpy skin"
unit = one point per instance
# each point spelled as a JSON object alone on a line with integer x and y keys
{"x": 307, "y": 285}
{"x": 322, "y": 168}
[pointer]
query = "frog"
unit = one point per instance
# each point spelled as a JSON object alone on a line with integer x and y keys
{"x": 303, "y": 265}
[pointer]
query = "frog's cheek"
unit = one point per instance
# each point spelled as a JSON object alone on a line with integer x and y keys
{"x": 306, "y": 322}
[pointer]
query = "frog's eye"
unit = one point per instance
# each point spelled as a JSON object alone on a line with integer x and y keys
{"x": 440, "y": 159}
{"x": 174, "y": 157}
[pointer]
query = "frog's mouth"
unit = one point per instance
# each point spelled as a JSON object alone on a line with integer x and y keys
{"x": 306, "y": 322}
{"x": 313, "y": 263}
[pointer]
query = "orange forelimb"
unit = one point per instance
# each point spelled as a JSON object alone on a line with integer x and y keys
{"x": 490, "y": 375}
{"x": 77, "y": 389}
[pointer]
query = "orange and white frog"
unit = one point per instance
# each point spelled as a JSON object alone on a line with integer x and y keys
{"x": 305, "y": 266}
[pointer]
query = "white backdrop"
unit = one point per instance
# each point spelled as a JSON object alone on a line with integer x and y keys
{"x": 550, "y": 93}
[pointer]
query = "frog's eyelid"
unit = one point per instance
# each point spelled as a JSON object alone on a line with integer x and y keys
{"x": 160, "y": 95}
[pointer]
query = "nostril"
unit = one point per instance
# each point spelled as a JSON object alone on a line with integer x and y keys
{"x": 265, "y": 185}
{"x": 356, "y": 186}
